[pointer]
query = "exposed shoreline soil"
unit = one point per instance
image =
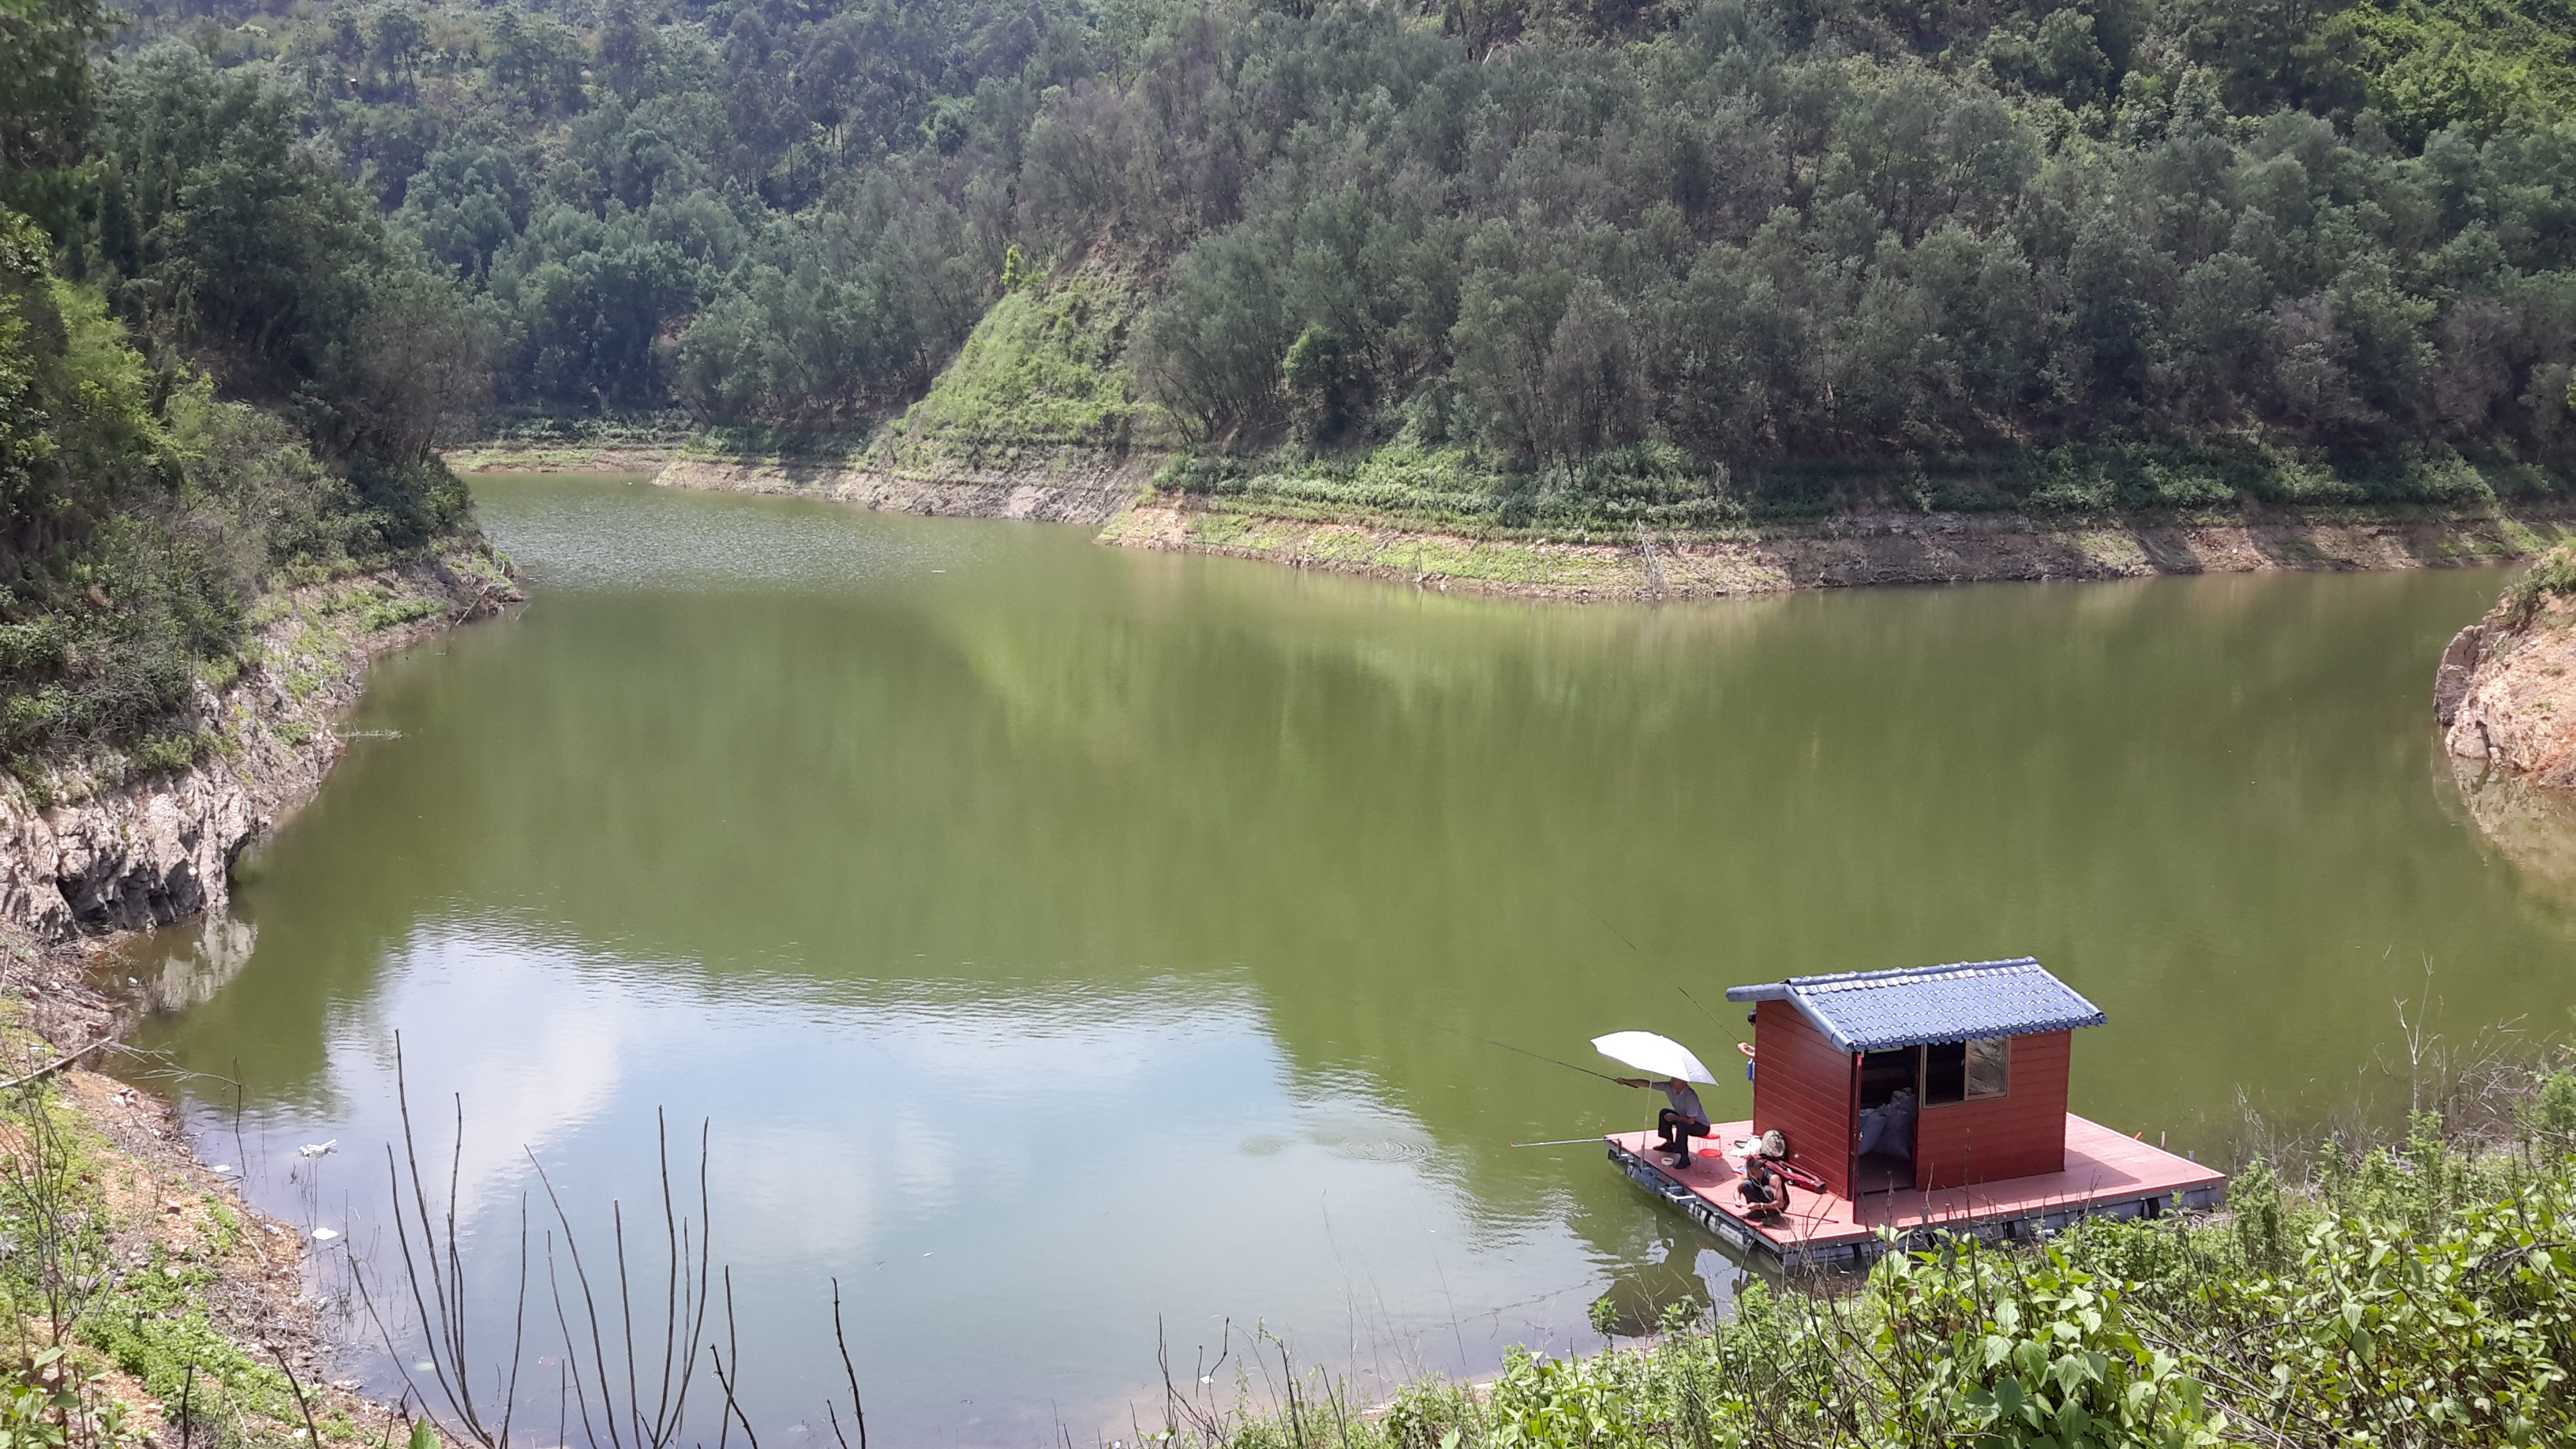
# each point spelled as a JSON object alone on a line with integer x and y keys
{"x": 1853, "y": 550}
{"x": 562, "y": 457}
{"x": 2506, "y": 694}
{"x": 83, "y": 857}
{"x": 1116, "y": 493}
{"x": 87, "y": 871}
{"x": 165, "y": 1206}
{"x": 1063, "y": 489}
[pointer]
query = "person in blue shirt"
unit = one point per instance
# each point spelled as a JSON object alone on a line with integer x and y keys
{"x": 1678, "y": 1123}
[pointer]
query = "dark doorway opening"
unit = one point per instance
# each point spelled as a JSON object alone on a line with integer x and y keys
{"x": 1891, "y": 1092}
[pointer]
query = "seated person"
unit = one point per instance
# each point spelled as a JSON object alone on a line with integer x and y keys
{"x": 1679, "y": 1122}
{"x": 1765, "y": 1192}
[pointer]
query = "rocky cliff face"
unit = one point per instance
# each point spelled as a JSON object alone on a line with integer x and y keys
{"x": 78, "y": 857}
{"x": 2506, "y": 693}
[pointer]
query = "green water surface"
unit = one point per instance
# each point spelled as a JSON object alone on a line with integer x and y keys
{"x": 1070, "y": 946}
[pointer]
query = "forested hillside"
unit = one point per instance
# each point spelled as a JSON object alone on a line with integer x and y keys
{"x": 2326, "y": 249}
{"x": 221, "y": 369}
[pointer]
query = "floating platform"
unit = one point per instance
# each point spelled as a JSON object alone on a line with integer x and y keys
{"x": 2108, "y": 1175}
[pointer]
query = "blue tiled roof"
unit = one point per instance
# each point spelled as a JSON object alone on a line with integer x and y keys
{"x": 1872, "y": 1011}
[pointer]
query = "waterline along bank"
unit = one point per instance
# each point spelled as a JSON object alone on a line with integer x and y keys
{"x": 153, "y": 1301}
{"x": 854, "y": 834}
{"x": 1108, "y": 989}
{"x": 151, "y": 847}
{"x": 1144, "y": 500}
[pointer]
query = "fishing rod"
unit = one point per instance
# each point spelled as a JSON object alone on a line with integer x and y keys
{"x": 1631, "y": 945}
{"x": 1524, "y": 1051}
{"x": 1562, "y": 1142}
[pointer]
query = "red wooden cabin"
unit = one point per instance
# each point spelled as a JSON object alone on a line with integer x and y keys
{"x": 1927, "y": 1077}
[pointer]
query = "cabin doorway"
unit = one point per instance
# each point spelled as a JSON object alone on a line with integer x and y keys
{"x": 1891, "y": 1091}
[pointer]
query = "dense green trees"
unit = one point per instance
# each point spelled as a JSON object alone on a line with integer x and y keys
{"x": 1761, "y": 252}
{"x": 1755, "y": 231}
{"x": 1653, "y": 246}
{"x": 778, "y": 211}
{"x": 218, "y": 368}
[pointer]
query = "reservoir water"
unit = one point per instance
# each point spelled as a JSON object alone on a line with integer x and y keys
{"x": 1077, "y": 952}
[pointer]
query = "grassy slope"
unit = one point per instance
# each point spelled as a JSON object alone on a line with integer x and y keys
{"x": 1044, "y": 371}
{"x": 1043, "y": 376}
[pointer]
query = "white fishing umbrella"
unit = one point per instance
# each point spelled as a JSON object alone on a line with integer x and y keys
{"x": 1659, "y": 1057}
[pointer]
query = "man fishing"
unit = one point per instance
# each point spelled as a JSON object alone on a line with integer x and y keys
{"x": 1678, "y": 1123}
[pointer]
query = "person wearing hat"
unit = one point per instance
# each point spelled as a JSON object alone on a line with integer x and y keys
{"x": 1679, "y": 1122}
{"x": 1764, "y": 1191}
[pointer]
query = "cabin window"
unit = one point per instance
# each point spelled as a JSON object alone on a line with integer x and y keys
{"x": 1884, "y": 1074}
{"x": 1989, "y": 1067}
{"x": 1966, "y": 1071}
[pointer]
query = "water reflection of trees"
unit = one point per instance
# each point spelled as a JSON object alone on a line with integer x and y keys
{"x": 1381, "y": 808}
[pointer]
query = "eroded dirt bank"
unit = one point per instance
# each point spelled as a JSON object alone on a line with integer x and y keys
{"x": 1116, "y": 493}
{"x": 2505, "y": 694}
{"x": 1058, "y": 490}
{"x": 1844, "y": 552}
{"x": 81, "y": 856}
{"x": 2506, "y": 691}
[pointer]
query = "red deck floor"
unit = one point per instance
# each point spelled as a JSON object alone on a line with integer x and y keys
{"x": 2105, "y": 1171}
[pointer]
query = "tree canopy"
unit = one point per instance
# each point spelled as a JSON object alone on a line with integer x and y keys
{"x": 1751, "y": 230}
{"x": 220, "y": 368}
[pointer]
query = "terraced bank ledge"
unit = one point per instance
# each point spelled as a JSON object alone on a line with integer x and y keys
{"x": 1846, "y": 551}
{"x": 1057, "y": 490}
{"x": 1118, "y": 494}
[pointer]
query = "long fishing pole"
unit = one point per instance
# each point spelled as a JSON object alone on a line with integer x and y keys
{"x": 1564, "y": 1142}
{"x": 1524, "y": 1051}
{"x": 1641, "y": 955}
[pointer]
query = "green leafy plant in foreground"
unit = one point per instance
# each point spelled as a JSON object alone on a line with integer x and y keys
{"x": 47, "y": 1402}
{"x": 2417, "y": 1293}
{"x": 70, "y": 1311}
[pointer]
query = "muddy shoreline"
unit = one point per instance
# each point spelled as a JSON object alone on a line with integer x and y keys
{"x": 1082, "y": 491}
{"x": 168, "y": 1210}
